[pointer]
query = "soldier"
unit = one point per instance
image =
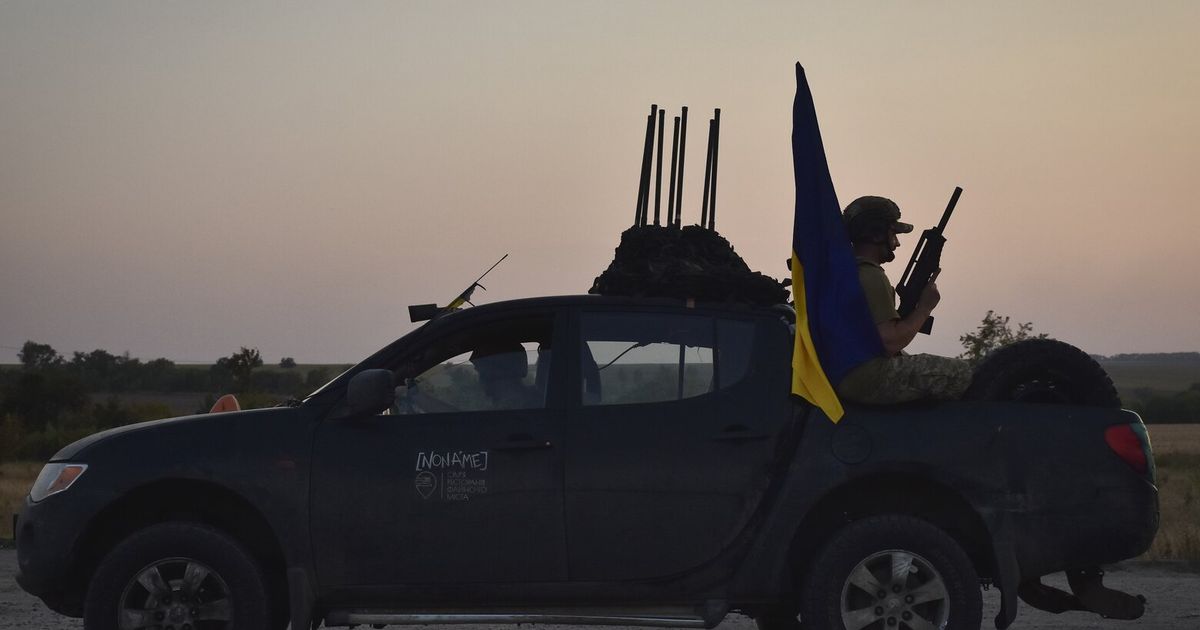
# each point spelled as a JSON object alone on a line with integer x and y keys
{"x": 873, "y": 224}
{"x": 502, "y": 367}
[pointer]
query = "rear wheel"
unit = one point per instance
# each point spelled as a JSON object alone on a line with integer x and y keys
{"x": 891, "y": 572}
{"x": 177, "y": 576}
{"x": 1043, "y": 371}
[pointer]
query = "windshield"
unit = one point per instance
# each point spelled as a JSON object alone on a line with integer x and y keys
{"x": 327, "y": 384}
{"x": 378, "y": 359}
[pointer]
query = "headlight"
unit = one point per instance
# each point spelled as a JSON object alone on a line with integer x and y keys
{"x": 54, "y": 478}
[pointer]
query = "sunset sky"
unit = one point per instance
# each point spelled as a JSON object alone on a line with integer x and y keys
{"x": 181, "y": 179}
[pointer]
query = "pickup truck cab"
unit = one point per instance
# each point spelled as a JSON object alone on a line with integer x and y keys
{"x": 582, "y": 460}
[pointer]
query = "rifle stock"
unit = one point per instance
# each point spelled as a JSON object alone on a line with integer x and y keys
{"x": 925, "y": 261}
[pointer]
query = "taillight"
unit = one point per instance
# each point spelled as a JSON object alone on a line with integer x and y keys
{"x": 1127, "y": 445}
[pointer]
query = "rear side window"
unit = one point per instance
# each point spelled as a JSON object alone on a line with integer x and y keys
{"x": 629, "y": 358}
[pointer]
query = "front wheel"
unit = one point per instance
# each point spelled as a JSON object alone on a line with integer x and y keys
{"x": 177, "y": 576}
{"x": 891, "y": 572}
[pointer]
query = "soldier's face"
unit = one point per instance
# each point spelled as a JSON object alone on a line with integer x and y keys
{"x": 893, "y": 242}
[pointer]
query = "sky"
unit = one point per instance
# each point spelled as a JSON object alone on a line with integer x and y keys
{"x": 182, "y": 179}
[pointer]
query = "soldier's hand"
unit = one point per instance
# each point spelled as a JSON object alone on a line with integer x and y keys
{"x": 930, "y": 296}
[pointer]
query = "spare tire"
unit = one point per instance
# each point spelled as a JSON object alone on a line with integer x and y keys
{"x": 1043, "y": 371}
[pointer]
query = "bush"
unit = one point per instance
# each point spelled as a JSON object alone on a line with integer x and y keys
{"x": 1174, "y": 407}
{"x": 240, "y": 365}
{"x": 259, "y": 400}
{"x": 44, "y": 397}
{"x": 993, "y": 333}
{"x": 43, "y": 444}
{"x": 111, "y": 413}
{"x": 284, "y": 383}
{"x": 316, "y": 377}
{"x": 11, "y": 433}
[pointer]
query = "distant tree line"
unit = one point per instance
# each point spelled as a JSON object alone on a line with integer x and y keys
{"x": 995, "y": 331}
{"x": 102, "y": 371}
{"x": 51, "y": 400}
{"x": 1166, "y": 407}
{"x": 1164, "y": 357}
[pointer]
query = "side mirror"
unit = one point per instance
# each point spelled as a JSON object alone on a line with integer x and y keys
{"x": 370, "y": 392}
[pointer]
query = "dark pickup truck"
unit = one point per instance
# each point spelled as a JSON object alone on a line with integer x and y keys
{"x": 585, "y": 460}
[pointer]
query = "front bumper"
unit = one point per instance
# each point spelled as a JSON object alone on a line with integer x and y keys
{"x": 46, "y": 566}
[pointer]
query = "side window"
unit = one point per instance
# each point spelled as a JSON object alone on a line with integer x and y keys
{"x": 501, "y": 365}
{"x": 651, "y": 357}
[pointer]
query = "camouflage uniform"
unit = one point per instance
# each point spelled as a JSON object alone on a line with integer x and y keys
{"x": 902, "y": 378}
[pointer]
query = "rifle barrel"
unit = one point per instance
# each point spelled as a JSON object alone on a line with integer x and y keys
{"x": 949, "y": 209}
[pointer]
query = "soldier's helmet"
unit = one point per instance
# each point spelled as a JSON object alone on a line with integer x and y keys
{"x": 869, "y": 218}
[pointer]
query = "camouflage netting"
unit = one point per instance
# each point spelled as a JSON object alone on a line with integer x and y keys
{"x": 692, "y": 262}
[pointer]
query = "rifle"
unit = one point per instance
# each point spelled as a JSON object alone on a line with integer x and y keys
{"x": 925, "y": 261}
{"x": 422, "y": 312}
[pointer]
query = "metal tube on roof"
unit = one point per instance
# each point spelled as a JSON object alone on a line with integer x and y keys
{"x": 682, "y": 154}
{"x": 712, "y": 206}
{"x": 672, "y": 201}
{"x": 658, "y": 169}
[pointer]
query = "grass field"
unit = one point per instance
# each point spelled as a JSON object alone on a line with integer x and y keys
{"x": 1162, "y": 376}
{"x": 1179, "y": 501}
{"x": 1176, "y": 449}
{"x": 1177, "y": 455}
{"x": 1174, "y": 439}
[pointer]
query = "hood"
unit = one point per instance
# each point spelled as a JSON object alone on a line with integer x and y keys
{"x": 75, "y": 450}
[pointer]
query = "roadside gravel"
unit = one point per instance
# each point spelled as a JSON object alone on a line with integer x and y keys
{"x": 1172, "y": 592}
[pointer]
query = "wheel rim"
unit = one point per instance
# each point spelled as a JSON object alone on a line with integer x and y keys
{"x": 1046, "y": 389}
{"x": 175, "y": 594}
{"x": 895, "y": 589}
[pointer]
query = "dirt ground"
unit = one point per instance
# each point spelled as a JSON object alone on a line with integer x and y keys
{"x": 1172, "y": 594}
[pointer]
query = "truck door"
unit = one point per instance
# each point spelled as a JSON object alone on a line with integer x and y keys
{"x": 461, "y": 481}
{"x": 669, "y": 444}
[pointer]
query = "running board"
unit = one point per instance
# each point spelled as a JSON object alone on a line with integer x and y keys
{"x": 666, "y": 618}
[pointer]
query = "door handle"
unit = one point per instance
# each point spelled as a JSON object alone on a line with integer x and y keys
{"x": 739, "y": 433}
{"x": 522, "y": 442}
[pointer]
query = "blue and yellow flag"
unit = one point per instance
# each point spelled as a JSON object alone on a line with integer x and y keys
{"x": 834, "y": 330}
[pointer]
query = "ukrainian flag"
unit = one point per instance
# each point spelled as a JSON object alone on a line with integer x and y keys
{"x": 834, "y": 330}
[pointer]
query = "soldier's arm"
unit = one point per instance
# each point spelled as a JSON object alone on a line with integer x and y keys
{"x": 899, "y": 332}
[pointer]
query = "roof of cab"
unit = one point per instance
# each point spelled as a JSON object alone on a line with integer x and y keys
{"x": 607, "y": 300}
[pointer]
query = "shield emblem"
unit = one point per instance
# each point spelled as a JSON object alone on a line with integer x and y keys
{"x": 426, "y": 484}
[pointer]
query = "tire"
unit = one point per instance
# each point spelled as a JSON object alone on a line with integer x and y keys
{"x": 181, "y": 576}
{"x": 939, "y": 585}
{"x": 1043, "y": 371}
